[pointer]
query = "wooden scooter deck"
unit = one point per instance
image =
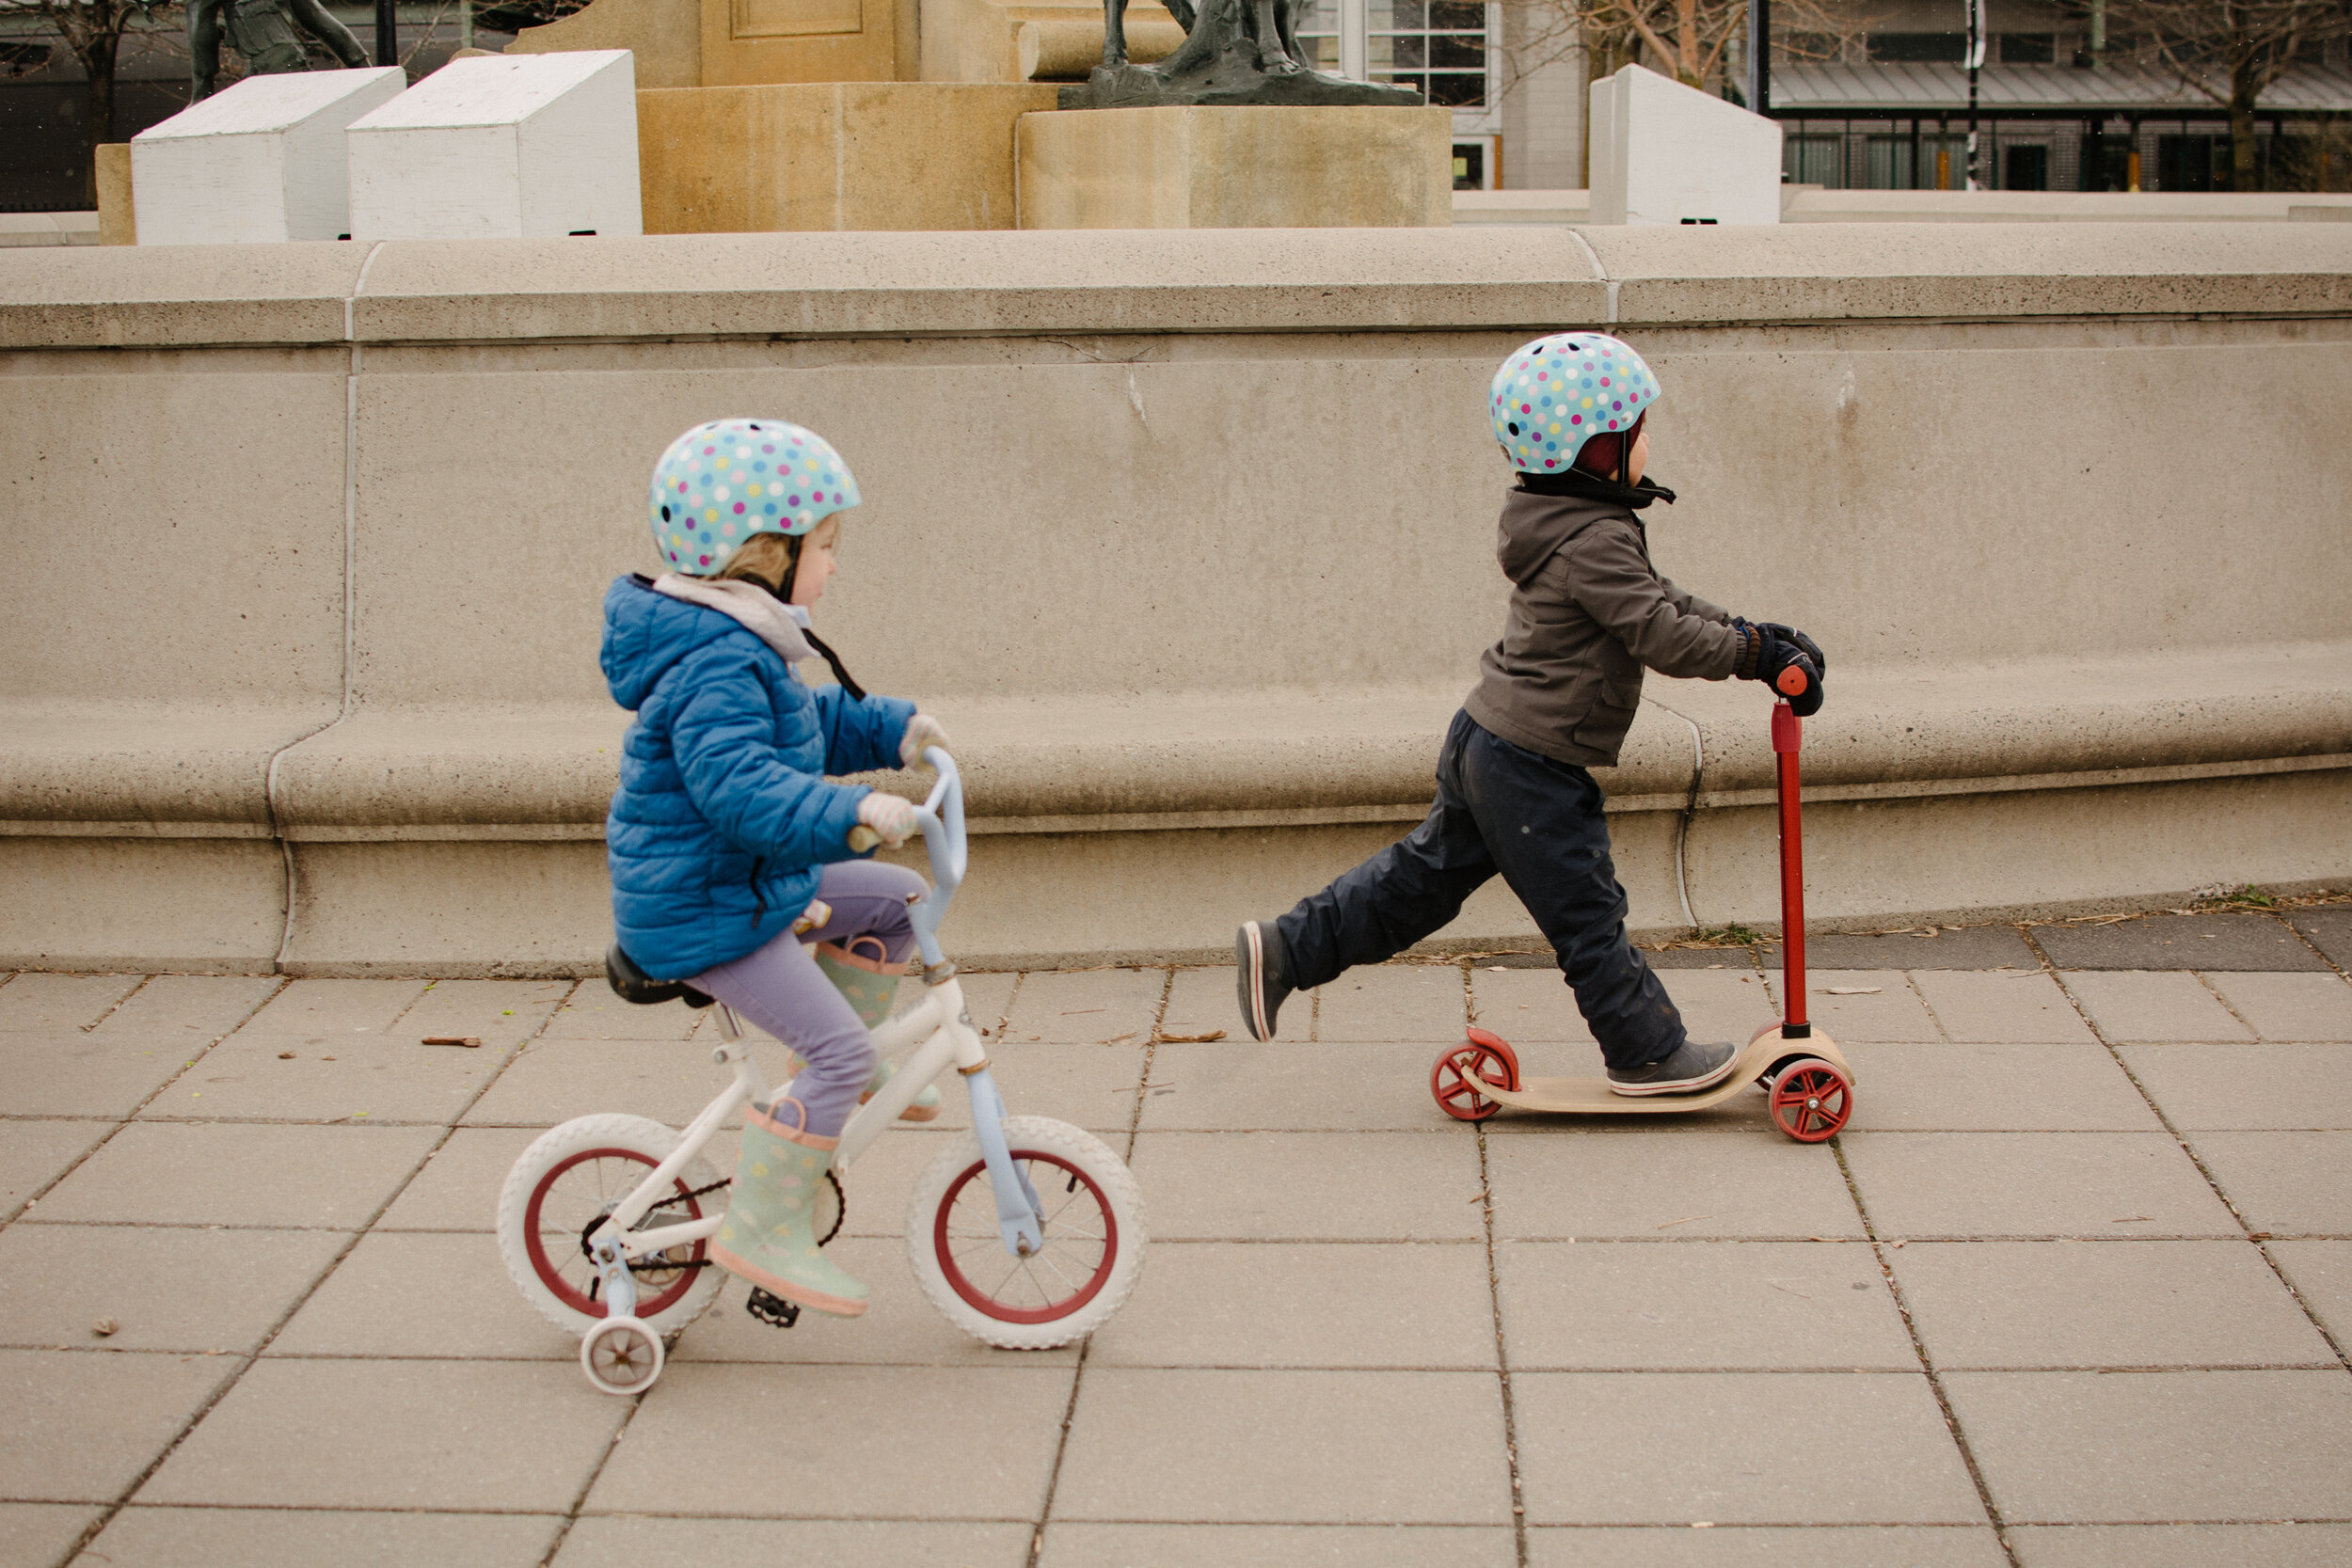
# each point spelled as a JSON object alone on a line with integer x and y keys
{"x": 1593, "y": 1095}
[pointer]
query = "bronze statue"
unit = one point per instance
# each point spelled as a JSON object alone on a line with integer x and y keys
{"x": 263, "y": 32}
{"x": 1235, "y": 51}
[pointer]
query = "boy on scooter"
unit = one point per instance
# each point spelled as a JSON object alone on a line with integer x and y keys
{"x": 1554, "y": 698}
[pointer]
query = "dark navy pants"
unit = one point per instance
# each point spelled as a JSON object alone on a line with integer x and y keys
{"x": 1501, "y": 808}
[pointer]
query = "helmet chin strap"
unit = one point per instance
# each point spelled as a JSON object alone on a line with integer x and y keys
{"x": 791, "y": 566}
{"x": 783, "y": 596}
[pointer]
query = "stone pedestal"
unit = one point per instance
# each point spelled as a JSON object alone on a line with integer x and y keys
{"x": 979, "y": 41}
{"x": 259, "y": 161}
{"x": 118, "y": 220}
{"x": 501, "y": 148}
{"x": 1666, "y": 153}
{"x": 837, "y": 155}
{"x": 665, "y": 35}
{"x": 1238, "y": 169}
{"x": 692, "y": 43}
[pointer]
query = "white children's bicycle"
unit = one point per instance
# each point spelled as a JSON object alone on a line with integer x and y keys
{"x": 1026, "y": 1232}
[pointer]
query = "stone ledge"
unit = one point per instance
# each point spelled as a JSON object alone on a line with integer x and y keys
{"x": 903, "y": 285}
{"x": 147, "y": 770}
{"x": 1833, "y": 272}
{"x": 1268, "y": 759}
{"x": 111, "y": 297}
{"x": 2045, "y": 717}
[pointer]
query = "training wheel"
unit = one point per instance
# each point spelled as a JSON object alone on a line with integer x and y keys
{"x": 1811, "y": 1100}
{"x": 1481, "y": 1058}
{"x": 621, "y": 1355}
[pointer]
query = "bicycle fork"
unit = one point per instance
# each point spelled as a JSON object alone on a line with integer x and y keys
{"x": 619, "y": 1284}
{"x": 1019, "y": 1217}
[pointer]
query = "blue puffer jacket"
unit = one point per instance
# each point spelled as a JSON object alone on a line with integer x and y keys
{"x": 723, "y": 817}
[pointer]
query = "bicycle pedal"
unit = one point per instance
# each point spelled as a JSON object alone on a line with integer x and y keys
{"x": 770, "y": 1309}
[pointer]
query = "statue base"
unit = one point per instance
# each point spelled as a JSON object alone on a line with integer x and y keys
{"x": 831, "y": 156}
{"x": 1200, "y": 167}
{"x": 1233, "y": 79}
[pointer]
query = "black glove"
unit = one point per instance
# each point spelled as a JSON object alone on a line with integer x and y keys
{"x": 1790, "y": 634}
{"x": 1782, "y": 663}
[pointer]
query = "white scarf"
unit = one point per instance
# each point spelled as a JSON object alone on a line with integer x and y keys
{"x": 757, "y": 610}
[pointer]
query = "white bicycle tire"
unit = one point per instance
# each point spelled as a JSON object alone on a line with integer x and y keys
{"x": 1104, "y": 1173}
{"x": 648, "y": 1139}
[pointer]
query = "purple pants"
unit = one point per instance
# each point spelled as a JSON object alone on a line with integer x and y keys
{"x": 780, "y": 989}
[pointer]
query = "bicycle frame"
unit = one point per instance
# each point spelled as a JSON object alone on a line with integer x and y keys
{"x": 940, "y": 1021}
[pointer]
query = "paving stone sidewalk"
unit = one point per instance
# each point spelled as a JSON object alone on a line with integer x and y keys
{"x": 2074, "y": 1286}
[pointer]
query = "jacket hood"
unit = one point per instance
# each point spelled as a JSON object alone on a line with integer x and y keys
{"x": 646, "y": 634}
{"x": 1533, "y": 527}
{"x": 1537, "y": 522}
{"x": 1576, "y": 482}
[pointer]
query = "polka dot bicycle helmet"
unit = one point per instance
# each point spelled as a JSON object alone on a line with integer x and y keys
{"x": 1558, "y": 392}
{"x": 722, "y": 482}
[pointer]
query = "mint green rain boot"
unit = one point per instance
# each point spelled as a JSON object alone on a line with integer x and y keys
{"x": 768, "y": 1236}
{"x": 871, "y": 984}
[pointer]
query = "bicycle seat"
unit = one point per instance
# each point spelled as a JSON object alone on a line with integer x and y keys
{"x": 633, "y": 984}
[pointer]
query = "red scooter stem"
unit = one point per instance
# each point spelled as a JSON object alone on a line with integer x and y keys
{"x": 1787, "y": 735}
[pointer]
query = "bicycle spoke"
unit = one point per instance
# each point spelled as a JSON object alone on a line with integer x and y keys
{"x": 1047, "y": 1259}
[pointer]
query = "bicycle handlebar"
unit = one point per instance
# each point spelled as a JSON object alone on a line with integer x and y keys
{"x": 940, "y": 817}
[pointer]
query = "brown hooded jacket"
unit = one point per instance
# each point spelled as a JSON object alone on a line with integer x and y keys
{"x": 1587, "y": 613}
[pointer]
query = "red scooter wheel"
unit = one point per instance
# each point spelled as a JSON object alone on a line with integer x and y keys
{"x": 1811, "y": 1100}
{"x": 1479, "y": 1059}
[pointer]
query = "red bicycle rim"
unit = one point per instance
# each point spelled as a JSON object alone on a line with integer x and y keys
{"x": 543, "y": 1265}
{"x": 982, "y": 1300}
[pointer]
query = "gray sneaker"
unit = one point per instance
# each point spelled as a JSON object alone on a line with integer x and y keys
{"x": 1691, "y": 1068}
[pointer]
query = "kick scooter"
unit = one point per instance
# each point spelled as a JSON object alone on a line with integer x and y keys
{"x": 1024, "y": 1232}
{"x": 1799, "y": 1067}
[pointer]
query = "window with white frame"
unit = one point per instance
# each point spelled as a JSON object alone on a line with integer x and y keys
{"x": 1443, "y": 49}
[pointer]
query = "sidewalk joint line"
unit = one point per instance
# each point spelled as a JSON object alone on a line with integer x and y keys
{"x": 1910, "y": 982}
{"x": 1061, "y": 1448}
{"x": 1502, "y": 1358}
{"x": 570, "y": 1516}
{"x": 2244, "y": 1022}
{"x": 1927, "y": 1362}
{"x": 2212, "y": 1183}
{"x": 1078, "y": 1369}
{"x": 2283, "y": 918}
{"x": 251, "y": 1358}
{"x": 115, "y": 1006}
{"x": 1150, "y": 1056}
{"x": 26, "y": 1208}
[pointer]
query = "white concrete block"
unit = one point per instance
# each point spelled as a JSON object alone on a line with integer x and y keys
{"x": 1666, "y": 153}
{"x": 260, "y": 161}
{"x": 501, "y": 147}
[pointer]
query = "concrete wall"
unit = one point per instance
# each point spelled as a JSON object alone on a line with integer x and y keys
{"x": 1188, "y": 537}
{"x": 1812, "y": 204}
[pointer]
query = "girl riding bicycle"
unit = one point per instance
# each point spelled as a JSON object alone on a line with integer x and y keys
{"x": 728, "y": 847}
